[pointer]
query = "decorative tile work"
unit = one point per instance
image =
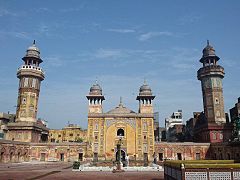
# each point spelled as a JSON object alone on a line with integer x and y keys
{"x": 195, "y": 175}
{"x": 236, "y": 175}
{"x": 131, "y": 122}
{"x": 220, "y": 175}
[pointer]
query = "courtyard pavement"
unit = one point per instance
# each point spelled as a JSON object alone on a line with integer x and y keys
{"x": 59, "y": 170}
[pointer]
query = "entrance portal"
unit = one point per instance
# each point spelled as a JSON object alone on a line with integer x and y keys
{"x": 95, "y": 157}
{"x": 42, "y": 157}
{"x": 123, "y": 155}
{"x": 80, "y": 156}
{"x": 145, "y": 159}
{"x": 62, "y": 157}
{"x": 179, "y": 156}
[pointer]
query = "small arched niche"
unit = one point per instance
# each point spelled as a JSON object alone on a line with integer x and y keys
{"x": 120, "y": 132}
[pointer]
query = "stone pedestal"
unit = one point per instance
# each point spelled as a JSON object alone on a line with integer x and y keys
{"x": 27, "y": 132}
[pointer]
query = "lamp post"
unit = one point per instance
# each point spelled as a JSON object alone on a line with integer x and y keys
{"x": 119, "y": 162}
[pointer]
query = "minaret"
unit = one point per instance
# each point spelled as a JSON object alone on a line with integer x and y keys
{"x": 95, "y": 123}
{"x": 30, "y": 75}
{"x": 95, "y": 99}
{"x": 211, "y": 75}
{"x": 26, "y": 128}
{"x": 145, "y": 98}
{"x": 211, "y": 126}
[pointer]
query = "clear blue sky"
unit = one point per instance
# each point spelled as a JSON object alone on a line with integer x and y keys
{"x": 120, "y": 43}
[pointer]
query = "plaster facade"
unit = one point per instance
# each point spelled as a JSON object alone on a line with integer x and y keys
{"x": 134, "y": 131}
{"x": 71, "y": 133}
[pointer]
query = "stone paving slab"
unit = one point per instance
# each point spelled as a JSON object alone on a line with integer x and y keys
{"x": 64, "y": 171}
{"x": 107, "y": 175}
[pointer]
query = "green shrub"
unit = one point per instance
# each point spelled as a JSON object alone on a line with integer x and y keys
{"x": 76, "y": 165}
{"x": 202, "y": 163}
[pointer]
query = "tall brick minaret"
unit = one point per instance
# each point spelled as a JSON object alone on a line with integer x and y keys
{"x": 30, "y": 75}
{"x": 211, "y": 75}
{"x": 212, "y": 125}
{"x": 27, "y": 128}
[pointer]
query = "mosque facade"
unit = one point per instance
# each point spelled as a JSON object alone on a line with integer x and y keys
{"x": 27, "y": 138}
{"x": 133, "y": 130}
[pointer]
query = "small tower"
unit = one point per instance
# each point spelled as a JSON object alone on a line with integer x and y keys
{"x": 145, "y": 98}
{"x": 27, "y": 128}
{"x": 30, "y": 76}
{"x": 211, "y": 75}
{"x": 95, "y": 99}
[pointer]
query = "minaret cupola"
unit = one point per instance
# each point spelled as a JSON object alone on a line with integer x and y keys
{"x": 145, "y": 98}
{"x": 95, "y": 99}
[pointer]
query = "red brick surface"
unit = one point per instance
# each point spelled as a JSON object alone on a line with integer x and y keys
{"x": 62, "y": 171}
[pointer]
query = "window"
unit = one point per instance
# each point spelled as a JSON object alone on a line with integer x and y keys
{"x": 59, "y": 135}
{"x": 96, "y": 137}
{"x": 71, "y": 134}
{"x": 145, "y": 137}
{"x": 216, "y": 101}
{"x": 120, "y": 132}
{"x": 24, "y": 100}
{"x": 160, "y": 156}
{"x": 197, "y": 156}
{"x": 179, "y": 156}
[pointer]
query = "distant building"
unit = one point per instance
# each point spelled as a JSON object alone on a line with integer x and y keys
{"x": 190, "y": 125}
{"x": 176, "y": 133}
{"x": 70, "y": 133}
{"x": 5, "y": 118}
{"x": 175, "y": 119}
{"x": 235, "y": 119}
{"x": 162, "y": 134}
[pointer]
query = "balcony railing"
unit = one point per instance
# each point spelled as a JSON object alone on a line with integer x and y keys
{"x": 30, "y": 67}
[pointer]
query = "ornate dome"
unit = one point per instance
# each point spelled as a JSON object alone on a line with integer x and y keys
{"x": 145, "y": 90}
{"x": 208, "y": 50}
{"x": 33, "y": 51}
{"x": 95, "y": 89}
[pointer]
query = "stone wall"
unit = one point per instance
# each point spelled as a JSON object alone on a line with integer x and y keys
{"x": 58, "y": 151}
{"x": 12, "y": 151}
{"x": 181, "y": 150}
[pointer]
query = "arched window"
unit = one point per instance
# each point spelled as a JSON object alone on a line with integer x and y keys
{"x": 120, "y": 132}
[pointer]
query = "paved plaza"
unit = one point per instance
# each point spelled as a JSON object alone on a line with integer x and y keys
{"x": 57, "y": 170}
